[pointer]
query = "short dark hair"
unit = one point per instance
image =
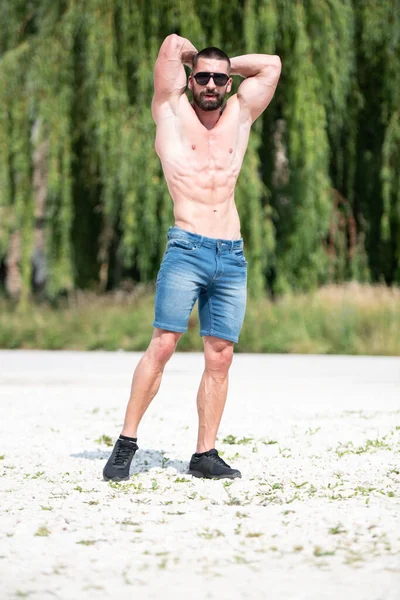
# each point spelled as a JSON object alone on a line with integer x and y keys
{"x": 212, "y": 52}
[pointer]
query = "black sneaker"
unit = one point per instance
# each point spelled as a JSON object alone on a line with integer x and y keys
{"x": 117, "y": 467}
{"x": 211, "y": 466}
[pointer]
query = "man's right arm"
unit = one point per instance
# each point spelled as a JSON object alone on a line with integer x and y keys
{"x": 169, "y": 72}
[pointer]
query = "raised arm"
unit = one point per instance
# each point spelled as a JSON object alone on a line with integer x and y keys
{"x": 261, "y": 72}
{"x": 169, "y": 73}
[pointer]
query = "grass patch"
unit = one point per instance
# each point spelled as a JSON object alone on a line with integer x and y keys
{"x": 345, "y": 319}
{"x": 369, "y": 446}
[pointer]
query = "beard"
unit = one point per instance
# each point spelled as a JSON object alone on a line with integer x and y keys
{"x": 208, "y": 104}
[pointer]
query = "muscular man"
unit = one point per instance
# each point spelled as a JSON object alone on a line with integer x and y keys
{"x": 201, "y": 146}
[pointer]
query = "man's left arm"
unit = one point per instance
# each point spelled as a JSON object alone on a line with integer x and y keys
{"x": 261, "y": 73}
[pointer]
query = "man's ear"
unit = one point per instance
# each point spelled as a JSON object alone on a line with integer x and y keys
{"x": 229, "y": 85}
{"x": 190, "y": 82}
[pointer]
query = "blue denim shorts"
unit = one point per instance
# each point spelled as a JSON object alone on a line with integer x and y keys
{"x": 209, "y": 270}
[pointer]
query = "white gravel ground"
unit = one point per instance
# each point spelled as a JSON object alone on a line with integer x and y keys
{"x": 315, "y": 516}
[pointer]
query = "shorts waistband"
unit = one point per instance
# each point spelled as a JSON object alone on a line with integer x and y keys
{"x": 201, "y": 240}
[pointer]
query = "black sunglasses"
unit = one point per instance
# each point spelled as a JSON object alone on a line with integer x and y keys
{"x": 204, "y": 77}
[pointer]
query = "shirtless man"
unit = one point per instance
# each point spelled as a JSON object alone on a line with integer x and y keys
{"x": 201, "y": 147}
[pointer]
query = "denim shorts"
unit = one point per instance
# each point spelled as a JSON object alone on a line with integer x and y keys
{"x": 209, "y": 270}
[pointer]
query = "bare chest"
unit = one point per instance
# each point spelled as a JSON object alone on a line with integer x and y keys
{"x": 212, "y": 149}
{"x": 185, "y": 141}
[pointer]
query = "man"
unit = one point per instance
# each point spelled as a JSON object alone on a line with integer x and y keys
{"x": 201, "y": 147}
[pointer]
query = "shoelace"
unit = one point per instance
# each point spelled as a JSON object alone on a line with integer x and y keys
{"x": 217, "y": 459}
{"x": 123, "y": 454}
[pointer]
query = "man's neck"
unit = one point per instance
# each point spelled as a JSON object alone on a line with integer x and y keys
{"x": 208, "y": 118}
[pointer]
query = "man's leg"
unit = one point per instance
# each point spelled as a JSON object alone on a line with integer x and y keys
{"x": 211, "y": 400}
{"x": 147, "y": 377}
{"x": 145, "y": 384}
{"x": 213, "y": 390}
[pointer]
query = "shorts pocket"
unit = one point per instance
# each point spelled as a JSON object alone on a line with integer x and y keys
{"x": 239, "y": 256}
{"x": 182, "y": 244}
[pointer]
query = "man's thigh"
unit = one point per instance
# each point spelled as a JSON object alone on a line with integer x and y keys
{"x": 222, "y": 305}
{"x": 177, "y": 290}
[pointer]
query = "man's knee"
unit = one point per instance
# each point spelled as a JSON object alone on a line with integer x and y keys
{"x": 218, "y": 355}
{"x": 163, "y": 345}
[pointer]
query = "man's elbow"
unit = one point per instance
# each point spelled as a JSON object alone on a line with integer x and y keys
{"x": 276, "y": 63}
{"x": 272, "y": 70}
{"x": 172, "y": 43}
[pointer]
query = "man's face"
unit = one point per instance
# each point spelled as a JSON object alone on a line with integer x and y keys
{"x": 209, "y": 96}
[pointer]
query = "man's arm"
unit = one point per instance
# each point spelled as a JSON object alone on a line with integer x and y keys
{"x": 169, "y": 73}
{"x": 261, "y": 72}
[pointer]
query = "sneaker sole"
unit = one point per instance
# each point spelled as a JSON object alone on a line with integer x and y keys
{"x": 115, "y": 478}
{"x": 226, "y": 476}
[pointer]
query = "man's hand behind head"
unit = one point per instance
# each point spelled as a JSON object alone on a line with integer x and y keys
{"x": 187, "y": 58}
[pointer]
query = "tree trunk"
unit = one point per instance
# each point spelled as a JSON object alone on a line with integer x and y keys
{"x": 40, "y": 173}
{"x": 13, "y": 276}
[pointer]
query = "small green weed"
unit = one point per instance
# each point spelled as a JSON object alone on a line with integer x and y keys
{"x": 336, "y": 530}
{"x": 209, "y": 534}
{"x": 37, "y": 475}
{"x": 42, "y": 532}
{"x": 86, "y": 542}
{"x": 318, "y": 551}
{"x": 312, "y": 431}
{"x": 178, "y": 513}
{"x": 277, "y": 486}
{"x": 299, "y": 485}
{"x": 231, "y": 440}
{"x": 240, "y": 560}
{"x": 104, "y": 439}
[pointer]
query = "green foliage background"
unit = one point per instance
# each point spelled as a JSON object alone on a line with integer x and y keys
{"x": 319, "y": 192}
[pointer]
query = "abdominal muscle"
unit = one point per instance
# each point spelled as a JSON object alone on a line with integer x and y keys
{"x": 204, "y": 202}
{"x": 201, "y": 169}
